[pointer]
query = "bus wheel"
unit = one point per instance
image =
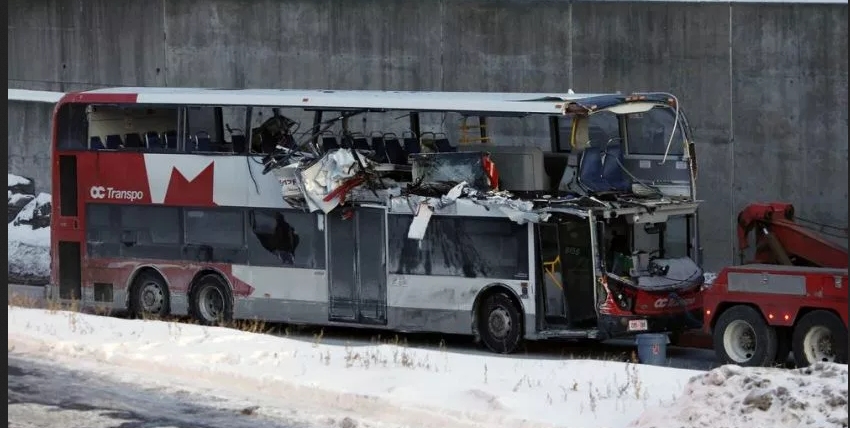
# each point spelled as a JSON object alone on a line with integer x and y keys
{"x": 742, "y": 337}
{"x": 819, "y": 336}
{"x": 149, "y": 296}
{"x": 210, "y": 303}
{"x": 500, "y": 323}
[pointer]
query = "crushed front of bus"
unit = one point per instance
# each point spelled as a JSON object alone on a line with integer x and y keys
{"x": 623, "y": 257}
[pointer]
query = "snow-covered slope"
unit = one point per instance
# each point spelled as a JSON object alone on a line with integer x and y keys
{"x": 391, "y": 384}
{"x": 732, "y": 396}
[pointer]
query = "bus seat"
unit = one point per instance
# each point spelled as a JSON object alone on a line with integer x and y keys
{"x": 240, "y": 143}
{"x": 95, "y": 143}
{"x": 329, "y": 143}
{"x": 114, "y": 142}
{"x": 380, "y": 149}
{"x": 590, "y": 170}
{"x": 411, "y": 145}
{"x": 152, "y": 140}
{"x": 170, "y": 138}
{"x": 360, "y": 143}
{"x": 395, "y": 153}
{"x": 443, "y": 145}
{"x": 203, "y": 143}
{"x": 133, "y": 141}
{"x": 612, "y": 169}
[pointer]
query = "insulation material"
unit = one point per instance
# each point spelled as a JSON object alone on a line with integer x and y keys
{"x": 326, "y": 175}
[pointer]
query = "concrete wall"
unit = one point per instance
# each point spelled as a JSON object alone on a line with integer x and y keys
{"x": 764, "y": 85}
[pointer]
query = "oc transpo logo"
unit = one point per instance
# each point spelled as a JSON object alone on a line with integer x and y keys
{"x": 100, "y": 192}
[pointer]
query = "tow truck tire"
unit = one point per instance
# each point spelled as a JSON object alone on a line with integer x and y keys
{"x": 500, "y": 324}
{"x": 819, "y": 336}
{"x": 742, "y": 337}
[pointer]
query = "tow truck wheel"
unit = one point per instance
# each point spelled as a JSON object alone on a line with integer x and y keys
{"x": 742, "y": 337}
{"x": 500, "y": 324}
{"x": 819, "y": 336}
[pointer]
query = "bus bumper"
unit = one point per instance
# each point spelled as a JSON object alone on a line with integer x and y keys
{"x": 624, "y": 326}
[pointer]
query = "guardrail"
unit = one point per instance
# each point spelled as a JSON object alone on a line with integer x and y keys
{"x": 35, "y": 96}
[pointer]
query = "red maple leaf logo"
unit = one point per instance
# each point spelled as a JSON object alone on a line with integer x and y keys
{"x": 198, "y": 192}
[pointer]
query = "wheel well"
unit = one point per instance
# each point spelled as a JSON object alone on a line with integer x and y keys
{"x": 491, "y": 290}
{"x": 139, "y": 272}
{"x": 143, "y": 270}
{"x": 209, "y": 271}
{"x": 806, "y": 309}
{"x": 721, "y": 308}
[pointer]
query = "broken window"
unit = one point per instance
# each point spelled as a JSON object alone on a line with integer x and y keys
{"x": 648, "y": 133}
{"x": 285, "y": 238}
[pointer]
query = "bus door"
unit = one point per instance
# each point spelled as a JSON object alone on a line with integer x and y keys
{"x": 67, "y": 233}
{"x": 357, "y": 265}
{"x": 552, "y": 292}
{"x": 576, "y": 251}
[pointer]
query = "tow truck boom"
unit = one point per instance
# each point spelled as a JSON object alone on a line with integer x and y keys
{"x": 781, "y": 240}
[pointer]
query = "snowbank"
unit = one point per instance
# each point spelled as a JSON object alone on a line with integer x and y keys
{"x": 732, "y": 396}
{"x": 29, "y": 245}
{"x": 393, "y": 384}
{"x": 17, "y": 180}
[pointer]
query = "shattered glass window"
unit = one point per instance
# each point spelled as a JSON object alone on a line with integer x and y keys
{"x": 648, "y": 133}
{"x": 460, "y": 246}
{"x": 285, "y": 238}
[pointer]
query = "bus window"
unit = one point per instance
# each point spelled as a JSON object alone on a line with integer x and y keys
{"x": 602, "y": 127}
{"x": 72, "y": 127}
{"x": 285, "y": 238}
{"x": 648, "y": 133}
{"x": 150, "y": 231}
{"x": 460, "y": 246}
{"x": 214, "y": 227}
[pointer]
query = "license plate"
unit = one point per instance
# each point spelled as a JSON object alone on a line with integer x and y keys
{"x": 638, "y": 325}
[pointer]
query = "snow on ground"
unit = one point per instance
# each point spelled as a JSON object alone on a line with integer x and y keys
{"x": 758, "y": 397}
{"x": 375, "y": 385}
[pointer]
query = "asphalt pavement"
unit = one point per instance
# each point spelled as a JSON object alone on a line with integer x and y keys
{"x": 46, "y": 395}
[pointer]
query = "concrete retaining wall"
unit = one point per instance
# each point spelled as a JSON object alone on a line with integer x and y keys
{"x": 765, "y": 85}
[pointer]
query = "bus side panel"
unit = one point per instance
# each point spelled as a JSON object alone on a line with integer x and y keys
{"x": 433, "y": 284}
{"x": 283, "y": 294}
{"x": 442, "y": 304}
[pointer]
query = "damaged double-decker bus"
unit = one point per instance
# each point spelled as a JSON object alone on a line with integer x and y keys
{"x": 506, "y": 216}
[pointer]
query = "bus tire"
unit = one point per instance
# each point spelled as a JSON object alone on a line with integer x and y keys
{"x": 819, "y": 336}
{"x": 149, "y": 295}
{"x": 742, "y": 337}
{"x": 500, "y": 323}
{"x": 210, "y": 302}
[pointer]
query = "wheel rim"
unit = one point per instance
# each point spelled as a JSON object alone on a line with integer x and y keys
{"x": 818, "y": 345}
{"x": 499, "y": 323}
{"x": 211, "y": 304}
{"x": 152, "y": 297}
{"x": 739, "y": 341}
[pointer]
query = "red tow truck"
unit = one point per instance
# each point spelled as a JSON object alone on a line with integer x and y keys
{"x": 792, "y": 297}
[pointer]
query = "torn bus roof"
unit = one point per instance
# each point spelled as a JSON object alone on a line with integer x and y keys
{"x": 445, "y": 184}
